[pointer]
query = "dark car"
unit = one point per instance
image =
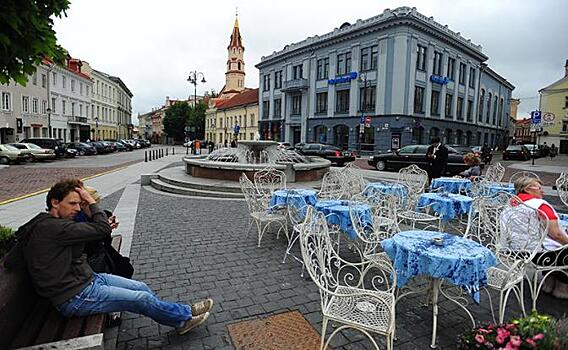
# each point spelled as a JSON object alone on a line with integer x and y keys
{"x": 70, "y": 152}
{"x": 125, "y": 144}
{"x": 56, "y": 145}
{"x": 299, "y": 146}
{"x": 331, "y": 153}
{"x": 465, "y": 150}
{"x": 520, "y": 152}
{"x": 82, "y": 148}
{"x": 416, "y": 154}
{"x": 534, "y": 150}
{"x": 99, "y": 146}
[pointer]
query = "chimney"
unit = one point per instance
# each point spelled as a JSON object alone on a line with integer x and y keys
{"x": 566, "y": 69}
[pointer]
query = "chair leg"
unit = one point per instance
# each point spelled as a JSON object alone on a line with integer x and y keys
{"x": 491, "y": 305}
{"x": 323, "y": 330}
{"x": 503, "y": 305}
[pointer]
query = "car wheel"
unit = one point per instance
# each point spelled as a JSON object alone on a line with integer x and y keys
{"x": 81, "y": 153}
{"x": 381, "y": 165}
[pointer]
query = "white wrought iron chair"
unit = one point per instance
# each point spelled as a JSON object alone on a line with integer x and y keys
{"x": 494, "y": 173}
{"x": 415, "y": 180}
{"x": 260, "y": 212}
{"x": 354, "y": 183}
{"x": 344, "y": 298}
{"x": 521, "y": 174}
{"x": 296, "y": 216}
{"x": 269, "y": 180}
{"x": 562, "y": 188}
{"x": 332, "y": 186}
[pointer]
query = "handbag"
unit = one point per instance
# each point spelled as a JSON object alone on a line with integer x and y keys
{"x": 117, "y": 264}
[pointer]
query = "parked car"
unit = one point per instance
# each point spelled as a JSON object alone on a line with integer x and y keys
{"x": 466, "y": 149}
{"x": 333, "y": 154}
{"x": 135, "y": 144}
{"x": 119, "y": 146}
{"x": 415, "y": 154}
{"x": 10, "y": 154}
{"x": 57, "y": 145}
{"x": 70, "y": 153}
{"x": 534, "y": 150}
{"x": 125, "y": 144}
{"x": 35, "y": 152}
{"x": 147, "y": 143}
{"x": 299, "y": 146}
{"x": 82, "y": 148}
{"x": 516, "y": 152}
{"x": 99, "y": 146}
{"x": 283, "y": 145}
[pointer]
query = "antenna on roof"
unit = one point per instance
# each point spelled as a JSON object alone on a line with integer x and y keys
{"x": 237, "y": 11}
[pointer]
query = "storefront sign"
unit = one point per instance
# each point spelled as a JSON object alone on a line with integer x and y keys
{"x": 438, "y": 79}
{"x": 548, "y": 119}
{"x": 343, "y": 79}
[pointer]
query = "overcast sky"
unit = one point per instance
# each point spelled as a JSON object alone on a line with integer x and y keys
{"x": 153, "y": 45}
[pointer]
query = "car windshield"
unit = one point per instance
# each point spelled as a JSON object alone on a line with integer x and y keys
{"x": 514, "y": 148}
{"x": 8, "y": 148}
{"x": 531, "y": 147}
{"x": 19, "y": 146}
{"x": 33, "y": 146}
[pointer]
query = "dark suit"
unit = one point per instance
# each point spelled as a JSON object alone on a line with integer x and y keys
{"x": 438, "y": 160}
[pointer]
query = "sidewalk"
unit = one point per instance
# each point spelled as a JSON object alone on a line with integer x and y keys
{"x": 556, "y": 165}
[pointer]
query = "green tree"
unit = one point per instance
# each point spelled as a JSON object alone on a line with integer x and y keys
{"x": 27, "y": 36}
{"x": 176, "y": 119}
{"x": 197, "y": 119}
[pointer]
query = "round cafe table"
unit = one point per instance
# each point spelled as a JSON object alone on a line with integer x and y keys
{"x": 337, "y": 213}
{"x": 382, "y": 188}
{"x": 296, "y": 197}
{"x": 451, "y": 184}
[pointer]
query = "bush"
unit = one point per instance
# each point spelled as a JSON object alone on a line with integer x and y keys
{"x": 532, "y": 332}
{"x": 6, "y": 240}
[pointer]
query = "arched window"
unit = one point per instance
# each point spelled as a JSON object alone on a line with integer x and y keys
{"x": 448, "y": 136}
{"x": 488, "y": 115}
{"x": 481, "y": 103}
{"x": 320, "y": 134}
{"x": 341, "y": 136}
{"x": 468, "y": 138}
{"x": 459, "y": 137}
{"x": 239, "y": 65}
{"x": 368, "y": 139}
{"x": 418, "y": 135}
{"x": 434, "y": 132}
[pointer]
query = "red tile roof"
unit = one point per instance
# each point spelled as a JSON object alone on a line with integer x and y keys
{"x": 247, "y": 97}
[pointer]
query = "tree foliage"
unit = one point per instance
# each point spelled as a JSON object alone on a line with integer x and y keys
{"x": 176, "y": 119}
{"x": 197, "y": 119}
{"x": 27, "y": 36}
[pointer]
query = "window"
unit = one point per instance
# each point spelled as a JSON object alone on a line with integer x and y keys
{"x": 54, "y": 79}
{"x": 565, "y": 126}
{"x": 53, "y": 104}
{"x": 34, "y": 78}
{"x": 469, "y": 110}
{"x": 343, "y": 63}
{"x": 81, "y": 88}
{"x": 64, "y": 82}
{"x": 278, "y": 79}
{"x": 369, "y": 58}
{"x": 472, "y": 77}
{"x": 459, "y": 110}
{"x": 63, "y": 107}
{"x": 448, "y": 109}
{"x": 462, "y": 73}
{"x": 265, "y": 109}
{"x": 266, "y": 82}
{"x": 6, "y": 101}
{"x": 500, "y": 114}
{"x": 35, "y": 105}
{"x": 495, "y": 110}
{"x": 297, "y": 105}
{"x": 26, "y": 104}
{"x": 298, "y": 71}
{"x": 488, "y": 115}
{"x": 252, "y": 119}
{"x": 367, "y": 101}
{"x": 73, "y": 108}
{"x": 80, "y": 110}
{"x": 87, "y": 111}
{"x": 481, "y": 103}
{"x": 418, "y": 99}
{"x": 342, "y": 101}
{"x": 435, "y": 103}
{"x": 72, "y": 85}
{"x": 323, "y": 68}
{"x": 451, "y": 68}
{"x": 421, "y": 58}
{"x": 321, "y": 102}
{"x": 87, "y": 90}
{"x": 566, "y": 102}
{"x": 437, "y": 67}
{"x": 277, "y": 108}
{"x": 43, "y": 106}
{"x": 43, "y": 80}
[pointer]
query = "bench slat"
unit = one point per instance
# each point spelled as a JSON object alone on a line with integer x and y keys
{"x": 32, "y": 325}
{"x": 94, "y": 324}
{"x": 73, "y": 328}
{"x": 52, "y": 328}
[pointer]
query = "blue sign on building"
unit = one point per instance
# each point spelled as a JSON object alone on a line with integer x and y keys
{"x": 438, "y": 79}
{"x": 536, "y": 117}
{"x": 343, "y": 79}
{"x": 237, "y": 129}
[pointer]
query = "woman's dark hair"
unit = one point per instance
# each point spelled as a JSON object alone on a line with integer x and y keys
{"x": 435, "y": 139}
{"x": 61, "y": 189}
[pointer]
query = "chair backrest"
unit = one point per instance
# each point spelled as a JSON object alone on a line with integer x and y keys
{"x": 329, "y": 271}
{"x": 252, "y": 197}
{"x": 370, "y": 228}
{"x": 495, "y": 173}
{"x": 562, "y": 187}
{"x": 269, "y": 180}
{"x": 521, "y": 174}
{"x": 415, "y": 180}
{"x": 297, "y": 209}
{"x": 332, "y": 185}
{"x": 354, "y": 183}
{"x": 522, "y": 230}
{"x": 484, "y": 219}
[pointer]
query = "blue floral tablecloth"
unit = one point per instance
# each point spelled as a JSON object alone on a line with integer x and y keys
{"x": 495, "y": 188}
{"x": 296, "y": 197}
{"x": 447, "y": 205}
{"x": 337, "y": 213}
{"x": 563, "y": 218}
{"x": 451, "y": 184}
{"x": 385, "y": 188}
{"x": 459, "y": 260}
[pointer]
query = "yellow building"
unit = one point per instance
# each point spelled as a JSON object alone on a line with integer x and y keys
{"x": 554, "y": 109}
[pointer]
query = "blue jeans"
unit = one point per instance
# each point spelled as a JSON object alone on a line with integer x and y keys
{"x": 110, "y": 293}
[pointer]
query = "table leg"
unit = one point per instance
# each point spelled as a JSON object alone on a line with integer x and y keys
{"x": 435, "y": 292}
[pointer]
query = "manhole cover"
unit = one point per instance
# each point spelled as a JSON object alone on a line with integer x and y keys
{"x": 288, "y": 330}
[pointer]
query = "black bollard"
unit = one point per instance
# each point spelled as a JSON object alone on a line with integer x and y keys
{"x": 150, "y": 155}
{"x": 145, "y": 156}
{"x": 154, "y": 151}
{"x": 166, "y": 152}
{"x": 161, "y": 152}
{"x": 173, "y": 151}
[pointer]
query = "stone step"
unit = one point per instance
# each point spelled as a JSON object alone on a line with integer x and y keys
{"x": 187, "y": 191}
{"x": 201, "y": 186}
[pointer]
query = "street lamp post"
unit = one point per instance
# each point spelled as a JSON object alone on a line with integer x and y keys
{"x": 193, "y": 79}
{"x": 49, "y": 121}
{"x": 363, "y": 78}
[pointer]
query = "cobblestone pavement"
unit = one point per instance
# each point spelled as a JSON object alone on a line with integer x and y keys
{"x": 20, "y": 180}
{"x": 187, "y": 249}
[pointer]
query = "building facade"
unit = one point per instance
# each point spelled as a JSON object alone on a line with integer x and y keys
{"x": 523, "y": 132}
{"x": 23, "y": 109}
{"x": 123, "y": 109}
{"x": 233, "y": 119}
{"x": 554, "y": 111}
{"x": 394, "y": 79}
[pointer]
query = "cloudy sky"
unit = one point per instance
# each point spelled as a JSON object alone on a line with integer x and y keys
{"x": 153, "y": 45}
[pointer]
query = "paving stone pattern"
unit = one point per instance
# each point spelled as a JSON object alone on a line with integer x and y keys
{"x": 188, "y": 249}
{"x": 111, "y": 201}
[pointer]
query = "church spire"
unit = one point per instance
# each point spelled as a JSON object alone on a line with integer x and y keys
{"x": 235, "y": 75}
{"x": 236, "y": 40}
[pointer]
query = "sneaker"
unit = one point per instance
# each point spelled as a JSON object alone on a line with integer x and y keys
{"x": 191, "y": 324}
{"x": 201, "y": 307}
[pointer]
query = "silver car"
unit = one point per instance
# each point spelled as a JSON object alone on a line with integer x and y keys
{"x": 36, "y": 153}
{"x": 10, "y": 154}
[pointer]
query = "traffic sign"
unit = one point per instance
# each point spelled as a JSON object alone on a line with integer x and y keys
{"x": 237, "y": 129}
{"x": 362, "y": 120}
{"x": 536, "y": 117}
{"x": 187, "y": 128}
{"x": 367, "y": 121}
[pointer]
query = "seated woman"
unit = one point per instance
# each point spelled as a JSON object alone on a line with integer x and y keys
{"x": 474, "y": 169}
{"x": 555, "y": 245}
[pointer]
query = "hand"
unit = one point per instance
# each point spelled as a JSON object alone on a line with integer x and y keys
{"x": 112, "y": 222}
{"x": 85, "y": 196}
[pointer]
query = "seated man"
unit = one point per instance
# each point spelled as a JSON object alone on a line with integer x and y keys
{"x": 554, "y": 249}
{"x": 51, "y": 246}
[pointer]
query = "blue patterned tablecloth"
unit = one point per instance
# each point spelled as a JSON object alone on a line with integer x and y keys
{"x": 385, "y": 188}
{"x": 451, "y": 184}
{"x": 296, "y": 197}
{"x": 495, "y": 188}
{"x": 563, "y": 218}
{"x": 448, "y": 206}
{"x": 459, "y": 260}
{"x": 337, "y": 213}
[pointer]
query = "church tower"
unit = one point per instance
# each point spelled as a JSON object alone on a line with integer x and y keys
{"x": 235, "y": 75}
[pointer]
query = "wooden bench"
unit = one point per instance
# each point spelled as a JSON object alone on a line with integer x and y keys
{"x": 27, "y": 319}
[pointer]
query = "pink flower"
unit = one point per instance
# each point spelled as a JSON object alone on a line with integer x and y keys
{"x": 539, "y": 336}
{"x": 531, "y": 342}
{"x": 510, "y": 326}
{"x": 479, "y": 338}
{"x": 515, "y": 341}
{"x": 483, "y": 331}
{"x": 502, "y": 335}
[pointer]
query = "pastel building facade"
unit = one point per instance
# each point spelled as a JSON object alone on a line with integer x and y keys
{"x": 554, "y": 111}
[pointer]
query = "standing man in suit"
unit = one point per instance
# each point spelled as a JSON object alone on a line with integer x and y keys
{"x": 437, "y": 155}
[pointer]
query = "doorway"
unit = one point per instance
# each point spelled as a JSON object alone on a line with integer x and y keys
{"x": 296, "y": 134}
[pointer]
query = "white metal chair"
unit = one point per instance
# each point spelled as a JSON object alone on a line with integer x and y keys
{"x": 522, "y": 174}
{"x": 344, "y": 298}
{"x": 332, "y": 186}
{"x": 296, "y": 215}
{"x": 494, "y": 173}
{"x": 259, "y": 210}
{"x": 562, "y": 187}
{"x": 354, "y": 183}
{"x": 269, "y": 180}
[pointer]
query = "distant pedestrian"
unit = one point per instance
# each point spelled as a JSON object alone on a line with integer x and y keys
{"x": 553, "y": 151}
{"x": 197, "y": 147}
{"x": 211, "y": 146}
{"x": 545, "y": 150}
{"x": 233, "y": 144}
{"x": 225, "y": 143}
{"x": 437, "y": 155}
